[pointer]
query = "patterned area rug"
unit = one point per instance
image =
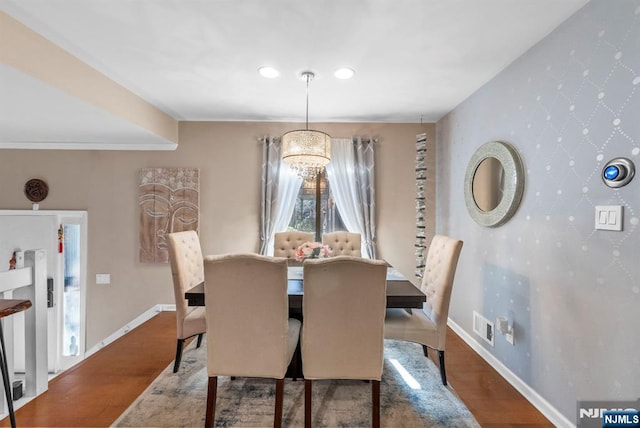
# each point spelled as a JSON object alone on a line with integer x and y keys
{"x": 179, "y": 400}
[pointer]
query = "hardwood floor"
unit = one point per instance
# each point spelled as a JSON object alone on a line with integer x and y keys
{"x": 96, "y": 391}
{"x": 491, "y": 399}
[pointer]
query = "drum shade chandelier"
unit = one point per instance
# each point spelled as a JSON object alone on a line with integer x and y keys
{"x": 305, "y": 150}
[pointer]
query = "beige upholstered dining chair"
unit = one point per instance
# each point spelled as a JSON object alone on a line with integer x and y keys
{"x": 249, "y": 332}
{"x": 343, "y": 243}
{"x": 428, "y": 326}
{"x": 286, "y": 243}
{"x": 342, "y": 332}
{"x": 185, "y": 258}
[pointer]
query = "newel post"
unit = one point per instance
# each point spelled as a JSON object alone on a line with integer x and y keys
{"x": 35, "y": 321}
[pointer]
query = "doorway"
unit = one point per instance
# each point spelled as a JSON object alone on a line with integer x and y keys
{"x": 63, "y": 234}
{"x": 72, "y": 293}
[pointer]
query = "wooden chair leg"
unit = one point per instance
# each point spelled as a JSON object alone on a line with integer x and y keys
{"x": 176, "y": 365}
{"x": 425, "y": 349}
{"x": 211, "y": 402}
{"x": 443, "y": 373}
{"x": 199, "y": 340}
{"x": 307, "y": 403}
{"x": 277, "y": 419}
{"x": 375, "y": 399}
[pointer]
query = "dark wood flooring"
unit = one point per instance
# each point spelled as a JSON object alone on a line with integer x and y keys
{"x": 96, "y": 391}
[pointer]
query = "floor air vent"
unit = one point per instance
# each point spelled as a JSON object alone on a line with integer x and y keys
{"x": 483, "y": 328}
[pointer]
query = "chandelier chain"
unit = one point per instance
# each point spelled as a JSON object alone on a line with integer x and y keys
{"x": 307, "y": 116}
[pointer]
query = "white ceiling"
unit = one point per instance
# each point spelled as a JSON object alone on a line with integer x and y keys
{"x": 415, "y": 60}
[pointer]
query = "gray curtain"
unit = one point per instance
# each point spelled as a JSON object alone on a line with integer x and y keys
{"x": 350, "y": 175}
{"x": 270, "y": 173}
{"x": 280, "y": 187}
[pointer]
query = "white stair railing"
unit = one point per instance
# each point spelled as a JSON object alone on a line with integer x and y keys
{"x": 29, "y": 283}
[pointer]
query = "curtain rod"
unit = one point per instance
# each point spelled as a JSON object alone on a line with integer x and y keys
{"x": 375, "y": 140}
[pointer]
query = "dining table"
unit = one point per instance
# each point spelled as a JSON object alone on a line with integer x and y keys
{"x": 401, "y": 293}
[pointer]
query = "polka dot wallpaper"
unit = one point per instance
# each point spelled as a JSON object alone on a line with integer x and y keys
{"x": 569, "y": 105}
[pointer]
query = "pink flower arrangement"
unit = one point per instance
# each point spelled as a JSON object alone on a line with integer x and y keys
{"x": 312, "y": 250}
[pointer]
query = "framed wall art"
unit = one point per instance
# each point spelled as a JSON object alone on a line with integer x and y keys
{"x": 169, "y": 201}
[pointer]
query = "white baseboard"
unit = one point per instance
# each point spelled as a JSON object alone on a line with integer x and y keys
{"x": 142, "y": 318}
{"x": 550, "y": 412}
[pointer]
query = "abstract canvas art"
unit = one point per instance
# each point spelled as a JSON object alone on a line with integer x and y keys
{"x": 169, "y": 201}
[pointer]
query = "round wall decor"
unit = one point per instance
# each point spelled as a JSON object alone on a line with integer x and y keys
{"x": 36, "y": 190}
{"x": 493, "y": 189}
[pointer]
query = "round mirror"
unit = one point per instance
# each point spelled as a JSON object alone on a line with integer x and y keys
{"x": 494, "y": 183}
{"x": 488, "y": 184}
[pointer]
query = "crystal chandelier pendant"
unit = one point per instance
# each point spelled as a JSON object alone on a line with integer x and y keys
{"x": 306, "y": 151}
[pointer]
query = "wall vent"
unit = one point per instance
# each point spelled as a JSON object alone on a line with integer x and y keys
{"x": 483, "y": 328}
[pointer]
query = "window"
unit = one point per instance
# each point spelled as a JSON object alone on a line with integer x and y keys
{"x": 71, "y": 293}
{"x": 315, "y": 210}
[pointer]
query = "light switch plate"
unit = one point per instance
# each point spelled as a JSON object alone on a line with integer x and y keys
{"x": 103, "y": 278}
{"x": 609, "y": 217}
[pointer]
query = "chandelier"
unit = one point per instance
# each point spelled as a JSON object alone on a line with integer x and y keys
{"x": 305, "y": 150}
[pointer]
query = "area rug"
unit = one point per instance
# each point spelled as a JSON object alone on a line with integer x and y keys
{"x": 416, "y": 400}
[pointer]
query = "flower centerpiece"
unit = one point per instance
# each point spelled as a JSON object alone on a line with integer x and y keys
{"x": 312, "y": 250}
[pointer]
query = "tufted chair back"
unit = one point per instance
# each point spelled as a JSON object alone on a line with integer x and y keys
{"x": 343, "y": 243}
{"x": 332, "y": 286}
{"x": 187, "y": 271}
{"x": 343, "y": 291}
{"x": 286, "y": 243}
{"x": 429, "y": 325}
{"x": 249, "y": 332}
{"x": 437, "y": 282}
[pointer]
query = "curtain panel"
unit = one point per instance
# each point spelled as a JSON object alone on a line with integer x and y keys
{"x": 280, "y": 187}
{"x": 351, "y": 177}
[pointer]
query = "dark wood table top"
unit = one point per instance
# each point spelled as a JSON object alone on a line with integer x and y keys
{"x": 400, "y": 294}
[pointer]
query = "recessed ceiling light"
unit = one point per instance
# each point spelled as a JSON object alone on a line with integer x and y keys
{"x": 268, "y": 72}
{"x": 344, "y": 73}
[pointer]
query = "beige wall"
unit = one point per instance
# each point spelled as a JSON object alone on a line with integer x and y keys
{"x": 229, "y": 157}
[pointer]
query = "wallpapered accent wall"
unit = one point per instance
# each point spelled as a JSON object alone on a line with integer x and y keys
{"x": 569, "y": 105}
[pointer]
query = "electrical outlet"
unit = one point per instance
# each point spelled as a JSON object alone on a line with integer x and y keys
{"x": 509, "y": 338}
{"x": 505, "y": 328}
